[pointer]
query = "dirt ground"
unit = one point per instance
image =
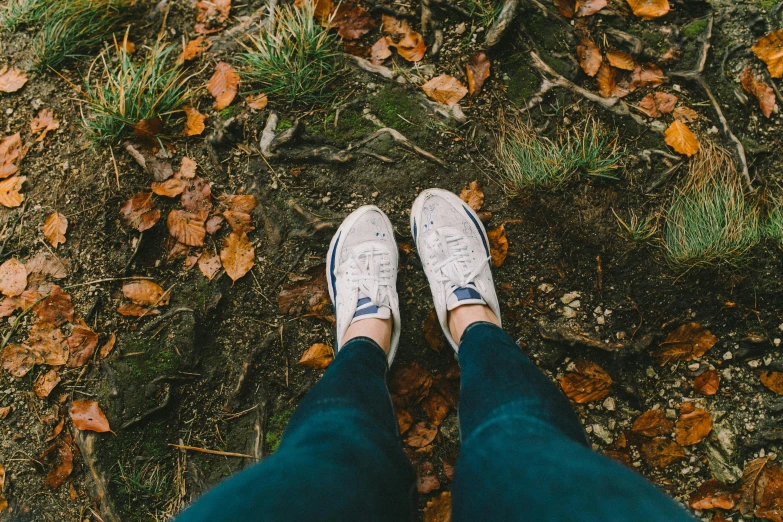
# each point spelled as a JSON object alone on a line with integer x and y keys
{"x": 218, "y": 369}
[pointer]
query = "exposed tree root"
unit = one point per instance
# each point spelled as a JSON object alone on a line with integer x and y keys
{"x": 370, "y": 67}
{"x": 85, "y": 440}
{"x": 239, "y": 387}
{"x": 565, "y": 332}
{"x": 255, "y": 439}
{"x": 400, "y": 140}
{"x": 163, "y": 404}
{"x": 634, "y": 43}
{"x": 501, "y": 24}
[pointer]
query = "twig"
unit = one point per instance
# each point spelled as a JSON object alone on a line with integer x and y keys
{"x": 663, "y": 177}
{"x": 107, "y": 280}
{"x": 165, "y": 316}
{"x": 501, "y": 24}
{"x": 151, "y": 411}
{"x": 400, "y": 140}
{"x": 116, "y": 169}
{"x": 368, "y": 66}
{"x": 133, "y": 254}
{"x": 212, "y": 452}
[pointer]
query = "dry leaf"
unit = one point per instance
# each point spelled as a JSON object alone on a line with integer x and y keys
{"x": 44, "y": 122}
{"x": 657, "y": 104}
{"x": 197, "y": 197}
{"x": 713, "y": 494}
{"x": 4, "y": 411}
{"x": 473, "y": 195}
{"x": 436, "y": 407}
{"x": 477, "y": 70}
{"x": 411, "y": 47}
{"x": 686, "y": 342}
{"x": 45, "y": 383}
{"x": 134, "y": 310}
{"x": 194, "y": 124}
{"x": 380, "y": 50}
{"x": 56, "y": 309}
{"x": 750, "y": 475}
{"x": 60, "y": 457}
{"x": 426, "y": 479}
{"x": 239, "y": 202}
{"x": 145, "y": 292}
{"x": 107, "y": 346}
{"x": 769, "y": 49}
{"x": 237, "y": 255}
{"x": 661, "y": 452}
{"x": 86, "y": 415}
{"x": 649, "y": 9}
{"x": 11, "y": 80}
{"x": 590, "y": 383}
{"x": 238, "y": 221}
{"x": 48, "y": 343}
{"x": 680, "y": 138}
{"x": 186, "y": 227}
{"x": 685, "y": 114}
{"x": 11, "y": 151}
{"x": 193, "y": 49}
{"x": 646, "y": 75}
{"x": 566, "y": 8}
{"x": 351, "y": 21}
{"x": 445, "y": 89}
{"x": 404, "y": 419}
{"x": 692, "y": 427}
{"x": 19, "y": 359}
{"x": 421, "y": 434}
{"x": 589, "y": 56}
{"x": 187, "y": 169}
{"x": 147, "y": 130}
{"x": 211, "y": 13}
{"x": 652, "y": 423}
{"x": 24, "y": 300}
{"x": 170, "y": 188}
{"x": 708, "y": 382}
{"x": 46, "y": 264}
{"x": 257, "y": 101}
{"x": 763, "y": 92}
{"x": 309, "y": 296}
{"x": 438, "y": 509}
{"x": 589, "y": 7}
{"x": 214, "y": 224}
{"x": 223, "y": 85}
{"x": 82, "y": 344}
{"x": 9, "y": 191}
{"x": 318, "y": 356}
{"x": 54, "y": 229}
{"x": 773, "y": 381}
{"x": 209, "y": 264}
{"x": 13, "y": 277}
{"x": 498, "y": 245}
{"x": 607, "y": 82}
{"x": 395, "y": 26}
{"x": 621, "y": 60}
{"x": 769, "y": 494}
{"x": 412, "y": 382}
{"x": 140, "y": 212}
{"x": 321, "y": 8}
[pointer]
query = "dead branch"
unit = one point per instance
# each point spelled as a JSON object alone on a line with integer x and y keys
{"x": 370, "y": 67}
{"x": 400, "y": 140}
{"x": 85, "y": 440}
{"x": 634, "y": 43}
{"x": 566, "y": 332}
{"x": 696, "y": 75}
{"x": 501, "y": 24}
{"x": 212, "y": 452}
{"x": 165, "y": 402}
{"x": 265, "y": 343}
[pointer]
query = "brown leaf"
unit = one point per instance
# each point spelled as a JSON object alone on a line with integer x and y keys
{"x": 44, "y": 122}
{"x": 473, "y": 195}
{"x": 411, "y": 382}
{"x": 170, "y": 188}
{"x": 708, "y": 382}
{"x": 566, "y": 8}
{"x": 769, "y": 49}
{"x": 214, "y": 224}
{"x": 187, "y": 169}
{"x": 54, "y": 229}
{"x": 411, "y": 47}
{"x": 351, "y": 21}
{"x": 257, "y": 101}
{"x": 147, "y": 130}
{"x": 321, "y": 9}
{"x": 86, "y": 415}
{"x": 308, "y": 296}
{"x": 432, "y": 332}
{"x": 498, "y": 245}
{"x": 56, "y": 309}
{"x": 763, "y": 92}
{"x": 680, "y": 138}
{"x": 649, "y": 9}
{"x": 692, "y": 427}
{"x": 686, "y": 342}
{"x": 49, "y": 345}
{"x": 380, "y": 50}
{"x": 82, "y": 344}
{"x": 45, "y": 383}
{"x": 11, "y": 79}
{"x": 646, "y": 75}
{"x": 46, "y": 264}
{"x": 239, "y": 202}
{"x": 404, "y": 420}
{"x": 657, "y": 104}
{"x": 318, "y": 356}
{"x": 24, "y": 300}
{"x": 652, "y": 423}
{"x": 9, "y": 191}
{"x": 60, "y": 457}
{"x": 661, "y": 452}
{"x": 607, "y": 82}
{"x": 193, "y": 49}
{"x": 107, "y": 346}
{"x": 750, "y": 475}
{"x": 134, "y": 310}
{"x": 445, "y": 89}
{"x": 223, "y": 85}
{"x": 11, "y": 151}
{"x": 238, "y": 221}
{"x": 140, "y": 212}
{"x": 197, "y": 197}
{"x": 773, "y": 381}
{"x": 426, "y": 479}
{"x": 438, "y": 509}
{"x": 13, "y": 277}
{"x": 19, "y": 359}
{"x": 589, "y": 7}
{"x": 209, "y": 264}
{"x": 212, "y": 12}
{"x": 4, "y": 411}
{"x": 237, "y": 255}
{"x": 589, "y": 56}
{"x": 477, "y": 70}
{"x": 713, "y": 494}
{"x": 186, "y": 227}
{"x": 436, "y": 407}
{"x": 395, "y": 26}
{"x": 769, "y": 494}
{"x": 685, "y": 114}
{"x": 145, "y": 292}
{"x": 621, "y": 60}
{"x": 421, "y": 434}
{"x": 590, "y": 383}
{"x": 194, "y": 124}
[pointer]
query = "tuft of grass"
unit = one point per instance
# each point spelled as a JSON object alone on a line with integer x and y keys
{"x": 130, "y": 92}
{"x": 528, "y": 161}
{"x": 19, "y": 12}
{"x": 773, "y": 225}
{"x": 637, "y": 229}
{"x": 710, "y": 220}
{"x": 297, "y": 61}
{"x": 484, "y": 10}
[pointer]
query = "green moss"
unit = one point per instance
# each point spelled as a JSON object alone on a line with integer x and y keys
{"x": 155, "y": 358}
{"x": 228, "y": 112}
{"x": 523, "y": 82}
{"x": 768, "y": 4}
{"x": 277, "y": 424}
{"x": 694, "y": 29}
{"x": 351, "y": 126}
{"x": 397, "y": 108}
{"x": 547, "y": 35}
{"x": 284, "y": 124}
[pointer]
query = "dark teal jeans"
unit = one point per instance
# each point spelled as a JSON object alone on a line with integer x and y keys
{"x": 524, "y": 454}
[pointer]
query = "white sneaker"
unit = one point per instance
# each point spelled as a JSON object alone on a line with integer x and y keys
{"x": 454, "y": 250}
{"x": 361, "y": 269}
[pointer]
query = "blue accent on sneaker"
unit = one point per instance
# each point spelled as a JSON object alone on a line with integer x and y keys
{"x": 466, "y": 293}
{"x": 332, "y": 276}
{"x": 364, "y": 311}
{"x": 478, "y": 228}
{"x": 363, "y": 301}
{"x": 414, "y": 230}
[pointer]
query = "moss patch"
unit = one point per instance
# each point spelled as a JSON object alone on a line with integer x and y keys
{"x": 351, "y": 127}
{"x": 277, "y": 424}
{"x": 694, "y": 29}
{"x": 398, "y": 108}
{"x": 523, "y": 82}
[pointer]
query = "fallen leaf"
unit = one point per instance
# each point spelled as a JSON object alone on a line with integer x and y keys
{"x": 351, "y": 21}
{"x": 657, "y": 104}
{"x": 621, "y": 60}
{"x": 321, "y": 8}
{"x": 54, "y": 229}
{"x": 223, "y": 85}
{"x": 661, "y": 452}
{"x": 589, "y": 383}
{"x": 238, "y": 221}
{"x": 318, "y": 356}
{"x": 445, "y": 89}
{"x": 763, "y": 92}
{"x": 438, "y": 509}
{"x": 82, "y": 344}
{"x": 45, "y": 383}
{"x": 49, "y": 345}
{"x": 194, "y": 124}
{"x": 589, "y": 56}
{"x": 436, "y": 407}
{"x": 193, "y": 49}
{"x": 473, "y": 195}
{"x": 395, "y": 26}
{"x": 769, "y": 49}
{"x": 60, "y": 457}
{"x": 421, "y": 434}
{"x": 18, "y": 359}
{"x": 9, "y": 191}
{"x": 566, "y": 8}
{"x": 46, "y": 264}
{"x": 214, "y": 224}
{"x": 404, "y": 420}
{"x": 140, "y": 212}
{"x": 432, "y": 332}
{"x": 692, "y": 427}
{"x": 477, "y": 70}
{"x": 186, "y": 227}
{"x": 646, "y": 75}
{"x": 773, "y": 381}
{"x": 187, "y": 169}
{"x": 4, "y": 411}
{"x": 308, "y": 296}
{"x": 685, "y": 114}
{"x": 239, "y": 202}
{"x": 148, "y": 130}
{"x": 13, "y": 277}
{"x": 197, "y": 197}
{"x": 680, "y": 138}
{"x": 426, "y": 479}
{"x": 24, "y": 300}
{"x": 210, "y": 13}
{"x": 134, "y": 310}
{"x": 708, "y": 382}
{"x": 412, "y": 382}
{"x": 498, "y": 245}
{"x": 686, "y": 342}
{"x": 237, "y": 255}
{"x": 146, "y": 293}
{"x": 607, "y": 82}
{"x": 589, "y": 7}
{"x": 11, "y": 79}
{"x": 747, "y": 484}
{"x": 649, "y": 9}
{"x": 56, "y": 309}
{"x": 11, "y": 151}
{"x": 86, "y": 415}
{"x": 170, "y": 188}
{"x": 257, "y": 101}
{"x": 107, "y": 346}
{"x": 411, "y": 47}
{"x": 713, "y": 494}
{"x": 652, "y": 423}
{"x": 380, "y": 50}
{"x": 769, "y": 494}
{"x": 44, "y": 123}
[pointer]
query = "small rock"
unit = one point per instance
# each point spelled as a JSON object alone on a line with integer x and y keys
{"x": 545, "y": 288}
{"x": 651, "y": 373}
{"x": 671, "y": 413}
{"x": 570, "y": 297}
{"x": 602, "y": 433}
{"x": 780, "y": 327}
{"x": 375, "y": 194}
{"x": 568, "y": 312}
{"x": 600, "y": 319}
{"x": 754, "y": 363}
{"x": 609, "y": 404}
{"x": 727, "y": 356}
{"x": 750, "y": 427}
{"x": 620, "y": 335}
{"x": 694, "y": 366}
{"x": 607, "y": 312}
{"x": 460, "y": 29}
{"x": 575, "y": 304}
{"x": 776, "y": 341}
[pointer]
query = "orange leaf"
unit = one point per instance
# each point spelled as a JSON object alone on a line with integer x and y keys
{"x": 769, "y": 49}
{"x": 652, "y": 423}
{"x": 657, "y": 104}
{"x": 107, "y": 346}
{"x": 769, "y": 494}
{"x": 237, "y": 255}
{"x": 445, "y": 89}
{"x": 146, "y": 293}
{"x": 321, "y": 9}
{"x": 257, "y": 101}
{"x": 197, "y": 196}
{"x": 56, "y": 309}
{"x": 223, "y": 85}
{"x": 54, "y": 229}
{"x": 188, "y": 168}
{"x": 404, "y": 420}
{"x": 351, "y": 21}
{"x": 147, "y": 130}
{"x": 621, "y": 60}
{"x": 380, "y": 50}
{"x": 48, "y": 344}
{"x": 11, "y": 150}
{"x": 421, "y": 434}
{"x": 773, "y": 381}
{"x": 9, "y": 191}
{"x": 13, "y": 277}
{"x": 589, "y": 56}
{"x": 708, "y": 382}
{"x": 645, "y": 75}
{"x": 579, "y": 8}
{"x": 438, "y": 509}
{"x": 209, "y": 264}
{"x": 411, "y": 47}
{"x": 498, "y": 245}
{"x": 607, "y": 82}
{"x": 713, "y": 494}
{"x": 45, "y": 383}
{"x": 239, "y": 202}
{"x": 82, "y": 344}
{"x": 44, "y": 122}
{"x": 186, "y": 227}
{"x": 686, "y": 342}
{"x": 649, "y": 9}
{"x": 309, "y": 295}
{"x": 763, "y": 92}
{"x": 18, "y": 359}
{"x": 685, "y": 114}
{"x": 170, "y": 188}
{"x": 661, "y": 452}
{"x": 436, "y": 407}
{"x": 590, "y": 383}
{"x": 193, "y": 49}
{"x": 395, "y": 26}
{"x": 679, "y": 137}
{"x": 60, "y": 457}
{"x": 194, "y": 124}
{"x": 11, "y": 80}
{"x": 318, "y": 356}
{"x": 238, "y": 221}
{"x": 692, "y": 427}
{"x": 140, "y": 212}
{"x": 134, "y": 310}
{"x": 477, "y": 70}
{"x": 87, "y": 415}
{"x": 473, "y": 195}
{"x": 411, "y": 382}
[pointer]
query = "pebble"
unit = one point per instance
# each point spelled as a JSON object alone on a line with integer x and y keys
{"x": 693, "y": 367}
{"x": 9, "y": 111}
{"x": 781, "y": 327}
{"x": 651, "y": 373}
{"x": 570, "y": 297}
{"x": 600, "y": 319}
{"x": 620, "y": 335}
{"x": 754, "y": 363}
{"x": 598, "y": 310}
{"x": 545, "y": 288}
{"x": 607, "y": 312}
{"x": 375, "y": 194}
{"x": 609, "y": 404}
{"x": 602, "y": 433}
{"x": 461, "y": 28}
{"x": 575, "y": 304}
{"x": 325, "y": 199}
{"x": 671, "y": 413}
{"x": 776, "y": 341}
{"x": 727, "y": 356}
{"x": 568, "y": 312}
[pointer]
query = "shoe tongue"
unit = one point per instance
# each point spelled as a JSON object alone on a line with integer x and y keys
{"x": 365, "y": 309}
{"x": 464, "y": 295}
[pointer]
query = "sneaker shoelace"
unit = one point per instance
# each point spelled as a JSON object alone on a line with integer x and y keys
{"x": 450, "y": 247}
{"x": 370, "y": 273}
